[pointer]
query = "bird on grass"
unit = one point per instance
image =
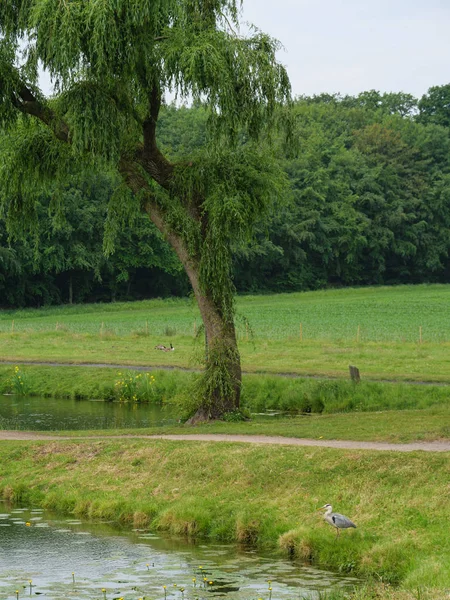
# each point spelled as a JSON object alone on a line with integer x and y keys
{"x": 164, "y": 348}
{"x": 335, "y": 519}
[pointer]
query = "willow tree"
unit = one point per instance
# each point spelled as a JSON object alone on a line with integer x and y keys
{"x": 113, "y": 63}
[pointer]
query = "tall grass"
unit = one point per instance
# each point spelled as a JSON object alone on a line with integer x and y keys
{"x": 255, "y": 495}
{"x": 260, "y": 393}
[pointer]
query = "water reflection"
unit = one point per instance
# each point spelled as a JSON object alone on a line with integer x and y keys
{"x": 47, "y": 550}
{"x": 51, "y": 414}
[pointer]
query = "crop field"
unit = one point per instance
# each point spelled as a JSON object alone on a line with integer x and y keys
{"x": 371, "y": 314}
{"x": 398, "y": 333}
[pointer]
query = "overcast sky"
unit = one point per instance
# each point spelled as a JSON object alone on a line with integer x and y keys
{"x": 350, "y": 46}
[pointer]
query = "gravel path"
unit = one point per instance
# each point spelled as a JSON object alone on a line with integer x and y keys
{"x": 247, "y": 439}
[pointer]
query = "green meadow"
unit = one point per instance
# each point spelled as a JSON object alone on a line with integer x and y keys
{"x": 400, "y": 333}
{"x": 384, "y": 314}
{"x": 253, "y": 494}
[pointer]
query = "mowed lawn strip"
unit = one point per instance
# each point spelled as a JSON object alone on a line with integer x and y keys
{"x": 376, "y": 361}
{"x": 391, "y": 426}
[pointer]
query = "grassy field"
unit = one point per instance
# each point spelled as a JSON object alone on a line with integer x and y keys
{"x": 253, "y": 494}
{"x": 383, "y": 314}
{"x": 399, "y": 333}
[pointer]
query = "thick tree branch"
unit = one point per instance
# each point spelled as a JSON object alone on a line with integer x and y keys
{"x": 149, "y": 125}
{"x": 136, "y": 182}
{"x": 151, "y": 158}
{"x": 25, "y": 101}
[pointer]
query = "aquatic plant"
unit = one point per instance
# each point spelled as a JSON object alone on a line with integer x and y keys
{"x": 135, "y": 387}
{"x": 19, "y": 382}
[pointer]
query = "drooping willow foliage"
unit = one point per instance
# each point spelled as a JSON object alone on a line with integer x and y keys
{"x": 113, "y": 63}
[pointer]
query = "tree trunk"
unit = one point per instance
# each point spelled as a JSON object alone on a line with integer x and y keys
{"x": 220, "y": 387}
{"x": 70, "y": 289}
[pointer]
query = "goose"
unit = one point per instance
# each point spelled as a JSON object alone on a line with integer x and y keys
{"x": 171, "y": 349}
{"x": 160, "y": 347}
{"x": 335, "y": 519}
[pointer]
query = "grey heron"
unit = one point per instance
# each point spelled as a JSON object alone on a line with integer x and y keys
{"x": 335, "y": 519}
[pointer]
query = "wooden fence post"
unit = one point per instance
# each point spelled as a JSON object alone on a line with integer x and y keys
{"x": 354, "y": 374}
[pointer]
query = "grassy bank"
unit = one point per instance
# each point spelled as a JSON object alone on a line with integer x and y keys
{"x": 397, "y": 333}
{"x": 372, "y": 411}
{"x": 253, "y": 495}
{"x": 259, "y": 393}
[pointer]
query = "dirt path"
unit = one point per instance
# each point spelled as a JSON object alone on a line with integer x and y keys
{"x": 246, "y": 439}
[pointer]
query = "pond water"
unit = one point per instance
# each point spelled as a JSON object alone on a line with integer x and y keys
{"x": 55, "y": 558}
{"x": 51, "y": 414}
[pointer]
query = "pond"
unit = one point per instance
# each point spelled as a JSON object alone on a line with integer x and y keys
{"x": 51, "y": 414}
{"x": 54, "y": 558}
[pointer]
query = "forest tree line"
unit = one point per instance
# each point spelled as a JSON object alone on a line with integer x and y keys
{"x": 369, "y": 203}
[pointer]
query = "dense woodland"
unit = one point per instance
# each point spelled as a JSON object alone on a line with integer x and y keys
{"x": 369, "y": 203}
